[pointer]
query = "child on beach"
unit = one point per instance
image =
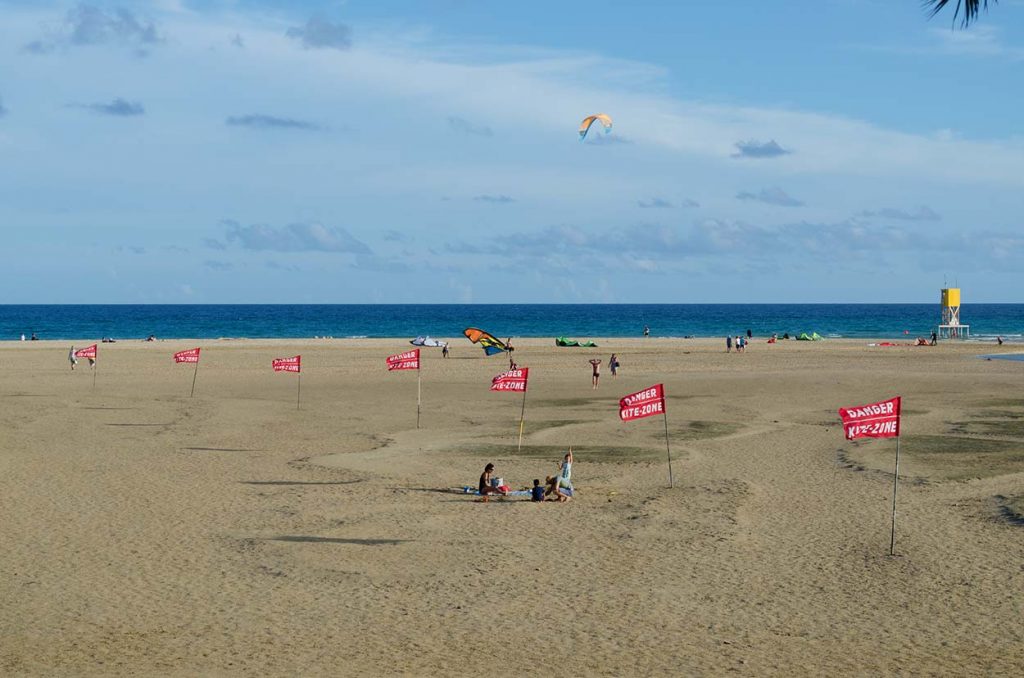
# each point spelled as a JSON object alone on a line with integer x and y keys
{"x": 537, "y": 493}
{"x": 596, "y": 365}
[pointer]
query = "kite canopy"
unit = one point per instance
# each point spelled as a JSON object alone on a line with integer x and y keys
{"x": 809, "y": 337}
{"x": 563, "y": 341}
{"x": 589, "y": 120}
{"x": 427, "y": 341}
{"x": 488, "y": 342}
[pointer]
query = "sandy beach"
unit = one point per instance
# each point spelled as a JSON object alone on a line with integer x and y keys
{"x": 149, "y": 533}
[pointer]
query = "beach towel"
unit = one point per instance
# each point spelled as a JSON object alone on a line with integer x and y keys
{"x": 468, "y": 489}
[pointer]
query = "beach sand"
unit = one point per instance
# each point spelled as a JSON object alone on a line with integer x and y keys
{"x": 147, "y": 533}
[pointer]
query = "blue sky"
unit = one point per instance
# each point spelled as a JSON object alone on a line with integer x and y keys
{"x": 426, "y": 151}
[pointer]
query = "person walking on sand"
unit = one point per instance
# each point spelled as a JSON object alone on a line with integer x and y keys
{"x": 613, "y": 364}
{"x": 72, "y": 359}
{"x": 444, "y": 351}
{"x": 595, "y": 364}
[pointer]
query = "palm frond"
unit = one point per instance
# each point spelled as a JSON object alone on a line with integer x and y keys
{"x": 966, "y": 10}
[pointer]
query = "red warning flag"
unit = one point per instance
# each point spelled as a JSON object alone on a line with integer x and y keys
{"x": 189, "y": 356}
{"x": 877, "y": 420}
{"x": 410, "y": 360}
{"x": 288, "y": 364}
{"x": 645, "y": 403}
{"x": 513, "y": 380}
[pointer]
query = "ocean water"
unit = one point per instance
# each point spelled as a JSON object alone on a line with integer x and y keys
{"x": 580, "y": 321}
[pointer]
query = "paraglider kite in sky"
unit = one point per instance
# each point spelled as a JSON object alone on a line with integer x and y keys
{"x": 589, "y": 120}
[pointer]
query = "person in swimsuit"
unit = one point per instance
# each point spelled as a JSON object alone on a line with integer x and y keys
{"x": 486, "y": 489}
{"x": 596, "y": 365}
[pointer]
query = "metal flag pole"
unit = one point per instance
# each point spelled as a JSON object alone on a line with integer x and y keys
{"x": 419, "y": 394}
{"x": 298, "y": 393}
{"x": 895, "y": 484}
{"x": 668, "y": 451}
{"x": 194, "y": 375}
{"x": 95, "y": 366}
{"x": 522, "y": 418}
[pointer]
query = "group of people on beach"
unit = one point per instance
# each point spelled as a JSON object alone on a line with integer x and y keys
{"x": 555, "y": 488}
{"x": 739, "y": 342}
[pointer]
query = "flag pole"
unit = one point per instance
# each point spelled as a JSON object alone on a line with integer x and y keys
{"x": 522, "y": 418}
{"x": 298, "y": 393}
{"x": 419, "y": 393}
{"x": 668, "y": 450}
{"x": 895, "y": 481}
{"x": 194, "y": 375}
{"x": 95, "y": 366}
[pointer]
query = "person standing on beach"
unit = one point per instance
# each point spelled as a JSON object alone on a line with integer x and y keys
{"x": 596, "y": 375}
{"x": 728, "y": 344}
{"x": 750, "y": 335}
{"x": 647, "y": 331}
{"x": 444, "y": 351}
{"x": 72, "y": 359}
{"x": 613, "y": 363}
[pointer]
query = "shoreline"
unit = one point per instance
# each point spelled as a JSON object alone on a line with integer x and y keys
{"x": 532, "y": 342}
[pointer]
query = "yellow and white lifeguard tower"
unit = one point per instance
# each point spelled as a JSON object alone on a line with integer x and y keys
{"x": 951, "y": 327}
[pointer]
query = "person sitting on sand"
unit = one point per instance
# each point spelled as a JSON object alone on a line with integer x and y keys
{"x": 561, "y": 485}
{"x": 537, "y": 493}
{"x": 487, "y": 488}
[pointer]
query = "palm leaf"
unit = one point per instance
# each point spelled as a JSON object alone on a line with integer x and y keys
{"x": 966, "y": 10}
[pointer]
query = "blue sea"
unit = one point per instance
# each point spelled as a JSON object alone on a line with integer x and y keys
{"x": 579, "y": 321}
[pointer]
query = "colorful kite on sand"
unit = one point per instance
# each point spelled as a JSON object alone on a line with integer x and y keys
{"x": 488, "y": 342}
